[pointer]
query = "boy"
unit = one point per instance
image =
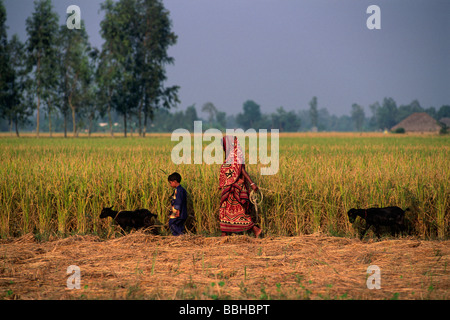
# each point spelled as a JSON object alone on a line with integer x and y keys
{"x": 178, "y": 214}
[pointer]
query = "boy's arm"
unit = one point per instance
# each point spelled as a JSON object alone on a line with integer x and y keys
{"x": 177, "y": 203}
{"x": 175, "y": 213}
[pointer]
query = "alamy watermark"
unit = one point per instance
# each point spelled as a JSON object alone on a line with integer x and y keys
{"x": 74, "y": 280}
{"x": 374, "y": 278}
{"x": 213, "y": 153}
{"x": 374, "y": 21}
{"x": 74, "y": 19}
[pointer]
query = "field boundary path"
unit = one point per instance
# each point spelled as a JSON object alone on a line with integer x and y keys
{"x": 141, "y": 266}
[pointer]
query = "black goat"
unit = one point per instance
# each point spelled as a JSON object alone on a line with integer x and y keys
{"x": 137, "y": 219}
{"x": 393, "y": 217}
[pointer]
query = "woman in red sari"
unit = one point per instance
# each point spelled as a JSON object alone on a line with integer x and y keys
{"x": 233, "y": 179}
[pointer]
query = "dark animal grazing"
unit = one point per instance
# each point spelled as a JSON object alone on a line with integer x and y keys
{"x": 137, "y": 219}
{"x": 393, "y": 217}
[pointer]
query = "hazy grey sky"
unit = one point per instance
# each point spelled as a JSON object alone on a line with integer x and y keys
{"x": 284, "y": 52}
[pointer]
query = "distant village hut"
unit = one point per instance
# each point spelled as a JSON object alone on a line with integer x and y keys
{"x": 419, "y": 122}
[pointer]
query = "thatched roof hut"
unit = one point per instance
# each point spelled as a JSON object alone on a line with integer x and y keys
{"x": 418, "y": 122}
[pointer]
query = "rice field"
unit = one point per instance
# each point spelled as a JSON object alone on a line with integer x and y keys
{"x": 56, "y": 187}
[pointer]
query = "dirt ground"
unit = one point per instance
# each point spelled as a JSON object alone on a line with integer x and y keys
{"x": 142, "y": 266}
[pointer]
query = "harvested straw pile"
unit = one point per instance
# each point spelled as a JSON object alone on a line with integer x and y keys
{"x": 141, "y": 266}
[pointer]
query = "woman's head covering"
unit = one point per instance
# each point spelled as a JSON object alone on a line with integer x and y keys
{"x": 233, "y": 151}
{"x": 234, "y": 160}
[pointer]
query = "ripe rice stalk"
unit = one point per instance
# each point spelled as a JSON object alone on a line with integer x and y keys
{"x": 60, "y": 186}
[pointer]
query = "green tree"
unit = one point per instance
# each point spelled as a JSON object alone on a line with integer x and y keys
{"x": 156, "y": 32}
{"x": 221, "y": 120}
{"x": 75, "y": 49}
{"x": 126, "y": 95}
{"x": 90, "y": 89}
{"x": 251, "y": 115}
{"x": 358, "y": 116}
{"x": 137, "y": 36}
{"x": 108, "y": 68}
{"x": 49, "y": 90}
{"x": 5, "y": 70}
{"x": 20, "y": 100}
{"x": 314, "y": 113}
{"x": 388, "y": 113}
{"x": 211, "y": 110}
{"x": 285, "y": 121}
{"x": 13, "y": 80}
{"x": 62, "y": 92}
{"x": 385, "y": 114}
{"x": 444, "y": 112}
{"x": 41, "y": 28}
{"x": 190, "y": 115}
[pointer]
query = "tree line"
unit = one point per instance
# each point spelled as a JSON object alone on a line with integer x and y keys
{"x": 383, "y": 116}
{"x": 58, "y": 71}
{"x": 57, "y": 76}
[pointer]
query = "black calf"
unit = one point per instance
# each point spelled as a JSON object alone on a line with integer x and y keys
{"x": 389, "y": 216}
{"x": 137, "y": 219}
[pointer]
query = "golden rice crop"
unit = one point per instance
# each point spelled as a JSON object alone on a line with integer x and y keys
{"x": 59, "y": 186}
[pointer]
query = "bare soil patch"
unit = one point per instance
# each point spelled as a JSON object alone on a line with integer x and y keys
{"x": 142, "y": 266}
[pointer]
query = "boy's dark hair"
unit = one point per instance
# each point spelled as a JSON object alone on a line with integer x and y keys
{"x": 175, "y": 177}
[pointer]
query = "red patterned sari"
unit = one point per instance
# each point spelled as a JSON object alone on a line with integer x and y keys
{"x": 234, "y": 203}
